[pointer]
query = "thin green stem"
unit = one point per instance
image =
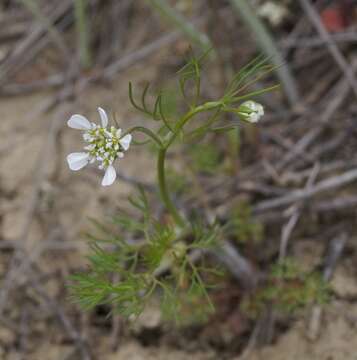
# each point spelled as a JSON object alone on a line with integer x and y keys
{"x": 170, "y": 206}
{"x": 253, "y": 93}
{"x": 164, "y": 193}
{"x": 80, "y": 7}
{"x": 147, "y": 132}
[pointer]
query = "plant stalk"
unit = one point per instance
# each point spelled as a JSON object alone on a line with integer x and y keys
{"x": 164, "y": 193}
{"x": 80, "y": 7}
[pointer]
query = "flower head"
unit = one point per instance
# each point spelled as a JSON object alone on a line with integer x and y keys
{"x": 251, "y": 111}
{"x": 103, "y": 145}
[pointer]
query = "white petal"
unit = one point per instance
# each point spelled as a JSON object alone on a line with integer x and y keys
{"x": 79, "y": 122}
{"x": 253, "y": 117}
{"x": 109, "y": 176}
{"x": 103, "y": 117}
{"x": 125, "y": 141}
{"x": 77, "y": 161}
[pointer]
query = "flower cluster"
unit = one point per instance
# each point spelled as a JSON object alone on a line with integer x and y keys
{"x": 102, "y": 144}
{"x": 251, "y": 111}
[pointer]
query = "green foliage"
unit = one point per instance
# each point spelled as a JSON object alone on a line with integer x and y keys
{"x": 288, "y": 289}
{"x": 161, "y": 264}
{"x": 192, "y": 72}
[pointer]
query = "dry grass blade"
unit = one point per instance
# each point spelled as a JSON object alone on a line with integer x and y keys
{"x": 326, "y": 185}
{"x": 267, "y": 44}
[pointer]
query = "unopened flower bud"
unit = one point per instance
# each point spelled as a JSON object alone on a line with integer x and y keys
{"x": 251, "y": 111}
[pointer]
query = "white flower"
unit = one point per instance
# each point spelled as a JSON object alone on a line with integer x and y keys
{"x": 274, "y": 12}
{"x": 102, "y": 144}
{"x": 251, "y": 111}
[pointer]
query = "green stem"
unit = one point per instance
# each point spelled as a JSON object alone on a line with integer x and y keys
{"x": 164, "y": 193}
{"x": 147, "y": 132}
{"x": 80, "y": 7}
{"x": 170, "y": 206}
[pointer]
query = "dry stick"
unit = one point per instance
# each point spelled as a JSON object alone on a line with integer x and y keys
{"x": 332, "y": 183}
{"x": 238, "y": 265}
{"x": 16, "y": 16}
{"x": 34, "y": 8}
{"x": 29, "y": 47}
{"x": 342, "y": 91}
{"x": 296, "y": 213}
{"x": 334, "y": 50}
{"x": 139, "y": 54}
{"x": 128, "y": 60}
{"x": 55, "y": 80}
{"x": 285, "y": 144}
{"x": 340, "y": 203}
{"x": 338, "y": 165}
{"x": 240, "y": 185}
{"x": 335, "y": 250}
{"x": 12, "y": 31}
{"x": 343, "y": 37}
{"x": 329, "y": 146}
{"x": 322, "y": 87}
